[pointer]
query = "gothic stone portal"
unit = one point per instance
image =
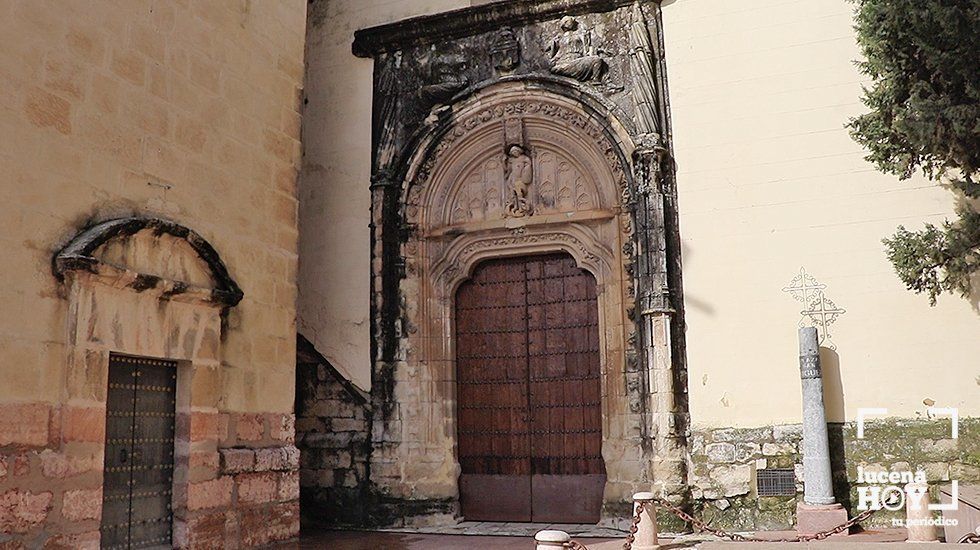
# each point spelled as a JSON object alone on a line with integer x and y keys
{"x": 520, "y": 172}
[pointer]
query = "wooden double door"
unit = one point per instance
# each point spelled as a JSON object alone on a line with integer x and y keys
{"x": 528, "y": 392}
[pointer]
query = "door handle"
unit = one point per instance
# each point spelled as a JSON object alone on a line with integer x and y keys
{"x": 123, "y": 456}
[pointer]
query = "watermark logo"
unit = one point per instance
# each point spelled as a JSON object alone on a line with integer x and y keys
{"x": 897, "y": 490}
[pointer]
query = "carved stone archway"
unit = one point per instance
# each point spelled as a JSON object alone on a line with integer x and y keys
{"x": 454, "y": 206}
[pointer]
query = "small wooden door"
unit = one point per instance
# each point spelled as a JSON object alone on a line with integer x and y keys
{"x": 528, "y": 407}
{"x": 139, "y": 453}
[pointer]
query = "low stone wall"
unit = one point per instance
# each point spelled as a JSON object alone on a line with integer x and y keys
{"x": 725, "y": 461}
{"x": 242, "y": 492}
{"x": 334, "y": 442}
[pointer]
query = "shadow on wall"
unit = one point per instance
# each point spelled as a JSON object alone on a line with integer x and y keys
{"x": 691, "y": 301}
{"x": 833, "y": 388}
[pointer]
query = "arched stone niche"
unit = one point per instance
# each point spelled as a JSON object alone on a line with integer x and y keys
{"x": 151, "y": 288}
{"x": 455, "y": 200}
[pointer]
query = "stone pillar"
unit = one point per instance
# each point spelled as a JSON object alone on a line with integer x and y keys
{"x": 550, "y": 540}
{"x": 646, "y": 529}
{"x": 819, "y": 510}
{"x": 818, "y": 487}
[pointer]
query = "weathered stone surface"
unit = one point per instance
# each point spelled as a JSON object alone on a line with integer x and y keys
{"x": 720, "y": 452}
{"x": 746, "y": 451}
{"x": 21, "y": 511}
{"x": 82, "y": 504}
{"x": 24, "y": 424}
{"x": 249, "y": 427}
{"x": 215, "y": 493}
{"x": 288, "y": 486}
{"x": 260, "y": 526}
{"x": 257, "y": 488}
{"x": 773, "y": 449}
{"x": 277, "y": 458}
{"x": 235, "y": 461}
{"x": 81, "y": 541}
{"x": 732, "y": 480}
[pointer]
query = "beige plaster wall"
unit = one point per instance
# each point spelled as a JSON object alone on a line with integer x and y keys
{"x": 200, "y": 99}
{"x": 335, "y": 199}
{"x": 769, "y": 181}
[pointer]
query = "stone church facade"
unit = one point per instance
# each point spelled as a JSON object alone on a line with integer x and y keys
{"x": 512, "y": 143}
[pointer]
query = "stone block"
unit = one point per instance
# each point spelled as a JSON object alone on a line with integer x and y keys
{"x": 264, "y": 526}
{"x": 20, "y": 511}
{"x": 720, "y": 452}
{"x": 814, "y": 518}
{"x": 732, "y": 480}
{"x": 81, "y": 541}
{"x": 746, "y": 451}
{"x": 215, "y": 493}
{"x": 282, "y": 427}
{"x": 82, "y": 504}
{"x": 249, "y": 427}
{"x": 83, "y": 424}
{"x": 46, "y": 110}
{"x": 775, "y": 449}
{"x": 235, "y": 461}
{"x": 277, "y": 458}
{"x": 789, "y": 432}
{"x": 288, "y": 486}
{"x": 24, "y": 424}
{"x": 256, "y": 488}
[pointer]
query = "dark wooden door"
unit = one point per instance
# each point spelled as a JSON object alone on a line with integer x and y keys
{"x": 139, "y": 453}
{"x": 529, "y": 420}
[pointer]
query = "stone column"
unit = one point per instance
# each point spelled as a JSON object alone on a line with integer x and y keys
{"x": 818, "y": 488}
{"x": 819, "y": 510}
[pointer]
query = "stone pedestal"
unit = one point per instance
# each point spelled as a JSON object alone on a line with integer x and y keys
{"x": 646, "y": 529}
{"x": 815, "y": 518}
{"x": 551, "y": 540}
{"x": 917, "y": 514}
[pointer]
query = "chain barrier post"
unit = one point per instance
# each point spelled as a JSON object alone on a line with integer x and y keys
{"x": 550, "y": 539}
{"x": 644, "y": 510}
{"x": 917, "y": 514}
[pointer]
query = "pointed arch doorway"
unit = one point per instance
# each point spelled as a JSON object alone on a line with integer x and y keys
{"x": 529, "y": 392}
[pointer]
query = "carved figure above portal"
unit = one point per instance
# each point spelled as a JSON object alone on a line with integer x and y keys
{"x": 573, "y": 53}
{"x": 505, "y": 52}
{"x": 447, "y": 76}
{"x": 520, "y": 176}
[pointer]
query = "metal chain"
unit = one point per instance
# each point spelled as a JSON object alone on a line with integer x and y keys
{"x": 970, "y": 538}
{"x": 704, "y": 527}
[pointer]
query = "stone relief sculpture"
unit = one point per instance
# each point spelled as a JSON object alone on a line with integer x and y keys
{"x": 447, "y": 76}
{"x": 520, "y": 176}
{"x": 573, "y": 54}
{"x": 505, "y": 52}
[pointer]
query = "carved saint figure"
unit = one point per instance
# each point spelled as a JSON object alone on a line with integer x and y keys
{"x": 573, "y": 55}
{"x": 520, "y": 175}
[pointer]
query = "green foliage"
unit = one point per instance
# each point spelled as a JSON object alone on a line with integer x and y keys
{"x": 923, "y": 57}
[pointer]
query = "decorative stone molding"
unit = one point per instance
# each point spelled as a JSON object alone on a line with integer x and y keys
{"x": 81, "y": 253}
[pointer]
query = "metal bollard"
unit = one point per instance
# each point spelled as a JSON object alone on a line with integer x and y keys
{"x": 646, "y": 529}
{"x": 550, "y": 539}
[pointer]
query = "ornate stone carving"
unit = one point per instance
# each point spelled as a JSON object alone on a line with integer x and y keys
{"x": 447, "y": 76}
{"x": 573, "y": 54}
{"x": 505, "y": 52}
{"x": 520, "y": 177}
{"x": 642, "y": 65}
{"x": 482, "y": 193}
